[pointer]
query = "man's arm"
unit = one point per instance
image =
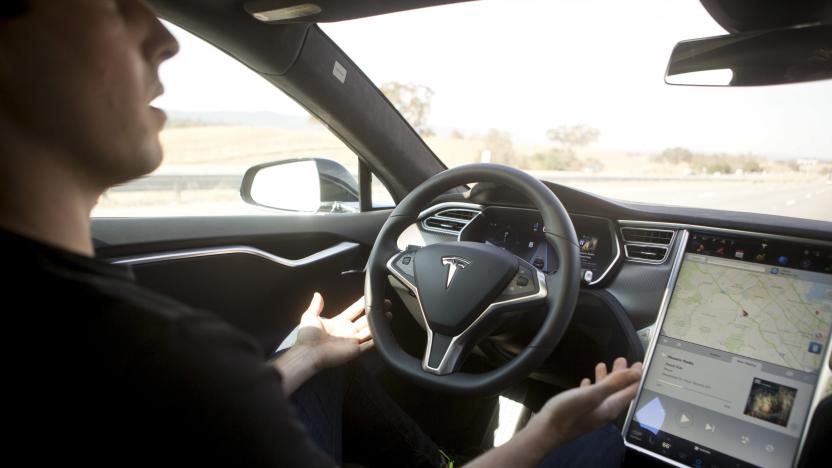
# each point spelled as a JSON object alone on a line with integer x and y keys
{"x": 567, "y": 416}
{"x": 323, "y": 343}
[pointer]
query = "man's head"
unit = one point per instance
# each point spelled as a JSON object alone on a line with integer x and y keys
{"x": 76, "y": 81}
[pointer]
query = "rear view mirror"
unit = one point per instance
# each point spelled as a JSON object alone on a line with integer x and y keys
{"x": 306, "y": 185}
{"x": 777, "y": 56}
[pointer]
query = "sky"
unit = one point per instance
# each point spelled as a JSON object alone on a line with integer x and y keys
{"x": 524, "y": 66}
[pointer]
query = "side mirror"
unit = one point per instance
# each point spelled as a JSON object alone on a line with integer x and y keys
{"x": 754, "y": 58}
{"x": 309, "y": 185}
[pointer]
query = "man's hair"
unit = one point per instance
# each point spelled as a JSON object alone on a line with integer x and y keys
{"x": 12, "y": 8}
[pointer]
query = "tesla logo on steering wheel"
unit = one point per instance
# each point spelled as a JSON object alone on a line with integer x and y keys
{"x": 454, "y": 263}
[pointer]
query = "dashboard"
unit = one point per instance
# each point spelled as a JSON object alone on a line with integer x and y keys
{"x": 631, "y": 258}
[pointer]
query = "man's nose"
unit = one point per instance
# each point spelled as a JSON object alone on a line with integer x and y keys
{"x": 168, "y": 45}
{"x": 161, "y": 45}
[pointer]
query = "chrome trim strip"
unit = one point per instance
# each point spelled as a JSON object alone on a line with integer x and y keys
{"x": 617, "y": 249}
{"x": 455, "y": 347}
{"x": 234, "y": 250}
{"x": 695, "y": 227}
{"x": 648, "y": 355}
{"x": 459, "y": 236}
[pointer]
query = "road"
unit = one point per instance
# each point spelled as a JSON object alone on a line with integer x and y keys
{"x": 200, "y": 194}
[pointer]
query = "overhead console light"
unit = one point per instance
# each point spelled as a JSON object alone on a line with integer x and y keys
{"x": 267, "y": 13}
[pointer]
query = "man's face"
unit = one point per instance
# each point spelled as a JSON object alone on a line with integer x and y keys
{"x": 76, "y": 79}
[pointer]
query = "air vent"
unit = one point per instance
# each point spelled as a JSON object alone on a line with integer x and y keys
{"x": 449, "y": 221}
{"x": 645, "y": 252}
{"x": 647, "y": 245}
{"x": 466, "y": 215}
{"x": 647, "y": 236}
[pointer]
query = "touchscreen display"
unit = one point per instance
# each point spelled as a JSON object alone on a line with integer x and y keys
{"x": 738, "y": 355}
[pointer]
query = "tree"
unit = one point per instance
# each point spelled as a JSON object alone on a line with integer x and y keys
{"x": 571, "y": 136}
{"x": 675, "y": 155}
{"x": 553, "y": 159}
{"x": 501, "y": 147}
{"x": 412, "y": 101}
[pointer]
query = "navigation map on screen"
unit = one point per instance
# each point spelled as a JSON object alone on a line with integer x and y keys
{"x": 758, "y": 311}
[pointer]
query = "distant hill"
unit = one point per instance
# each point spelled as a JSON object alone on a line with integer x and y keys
{"x": 257, "y": 119}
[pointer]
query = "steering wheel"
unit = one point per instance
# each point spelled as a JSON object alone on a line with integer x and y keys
{"x": 464, "y": 289}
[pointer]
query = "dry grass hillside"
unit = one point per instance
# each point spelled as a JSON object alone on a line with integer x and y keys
{"x": 228, "y": 150}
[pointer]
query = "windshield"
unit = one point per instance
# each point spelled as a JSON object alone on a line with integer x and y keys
{"x": 574, "y": 92}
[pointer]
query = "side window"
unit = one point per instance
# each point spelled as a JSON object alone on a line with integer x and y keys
{"x": 224, "y": 119}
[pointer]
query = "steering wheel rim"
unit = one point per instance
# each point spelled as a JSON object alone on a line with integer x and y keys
{"x": 560, "y": 289}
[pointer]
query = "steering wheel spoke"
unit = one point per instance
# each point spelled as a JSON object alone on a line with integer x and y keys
{"x": 444, "y": 354}
{"x": 528, "y": 287}
{"x": 401, "y": 266}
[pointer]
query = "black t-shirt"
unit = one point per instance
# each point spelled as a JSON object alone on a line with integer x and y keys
{"x": 100, "y": 371}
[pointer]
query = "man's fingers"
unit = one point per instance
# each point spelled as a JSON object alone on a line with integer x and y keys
{"x": 619, "y": 364}
{"x": 600, "y": 372}
{"x": 361, "y": 323}
{"x": 617, "y": 402}
{"x": 366, "y": 345}
{"x": 615, "y": 382}
{"x": 362, "y": 329}
{"x": 363, "y": 334}
{"x": 314, "y": 310}
{"x": 585, "y": 382}
{"x": 620, "y": 380}
{"x": 354, "y": 310}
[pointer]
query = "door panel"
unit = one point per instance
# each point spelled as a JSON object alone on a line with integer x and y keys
{"x": 257, "y": 273}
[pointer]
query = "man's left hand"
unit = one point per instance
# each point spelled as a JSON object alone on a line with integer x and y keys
{"x": 333, "y": 341}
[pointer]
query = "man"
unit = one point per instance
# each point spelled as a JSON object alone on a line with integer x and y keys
{"x": 101, "y": 371}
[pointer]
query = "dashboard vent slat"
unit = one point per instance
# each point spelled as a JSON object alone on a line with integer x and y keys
{"x": 647, "y": 236}
{"x": 645, "y": 252}
{"x": 647, "y": 245}
{"x": 450, "y": 220}
{"x": 466, "y": 215}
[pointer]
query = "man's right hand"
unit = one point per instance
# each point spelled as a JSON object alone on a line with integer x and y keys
{"x": 569, "y": 415}
{"x": 580, "y": 410}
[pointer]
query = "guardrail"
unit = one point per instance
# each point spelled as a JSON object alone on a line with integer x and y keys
{"x": 201, "y": 181}
{"x": 180, "y": 182}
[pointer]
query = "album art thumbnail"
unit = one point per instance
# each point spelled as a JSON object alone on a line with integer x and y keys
{"x": 770, "y": 402}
